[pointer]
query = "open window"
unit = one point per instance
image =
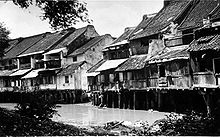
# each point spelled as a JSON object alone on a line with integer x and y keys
{"x": 162, "y": 71}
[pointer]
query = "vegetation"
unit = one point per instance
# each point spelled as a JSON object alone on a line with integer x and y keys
{"x": 191, "y": 124}
{"x": 3, "y": 39}
{"x": 60, "y": 13}
{"x": 37, "y": 107}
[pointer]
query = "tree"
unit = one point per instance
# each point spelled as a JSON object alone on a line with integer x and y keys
{"x": 60, "y": 13}
{"x": 3, "y": 39}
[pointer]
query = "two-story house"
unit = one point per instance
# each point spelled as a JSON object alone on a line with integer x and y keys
{"x": 73, "y": 75}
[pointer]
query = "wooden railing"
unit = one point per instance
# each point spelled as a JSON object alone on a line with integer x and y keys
{"x": 25, "y": 66}
{"x": 10, "y": 67}
{"x": 153, "y": 82}
{"x": 39, "y": 65}
{"x": 204, "y": 79}
{"x": 53, "y": 64}
{"x": 135, "y": 84}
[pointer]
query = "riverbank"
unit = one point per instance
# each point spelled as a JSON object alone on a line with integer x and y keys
{"x": 171, "y": 124}
{"x": 12, "y": 124}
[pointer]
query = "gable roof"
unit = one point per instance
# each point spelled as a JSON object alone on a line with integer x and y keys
{"x": 88, "y": 45}
{"x": 12, "y": 43}
{"x": 73, "y": 36}
{"x": 20, "y": 47}
{"x": 163, "y": 18}
{"x": 47, "y": 42}
{"x": 70, "y": 38}
{"x": 143, "y": 24}
{"x": 201, "y": 10}
{"x": 96, "y": 66}
{"x": 133, "y": 63}
{"x": 70, "y": 69}
{"x": 122, "y": 39}
{"x": 215, "y": 14}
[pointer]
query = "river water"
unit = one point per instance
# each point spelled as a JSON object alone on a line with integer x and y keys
{"x": 88, "y": 115}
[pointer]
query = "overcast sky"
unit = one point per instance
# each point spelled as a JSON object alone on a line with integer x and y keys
{"x": 109, "y": 16}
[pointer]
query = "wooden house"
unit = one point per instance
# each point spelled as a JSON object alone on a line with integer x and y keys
{"x": 10, "y": 59}
{"x": 73, "y": 75}
{"x": 164, "y": 47}
{"x": 204, "y": 53}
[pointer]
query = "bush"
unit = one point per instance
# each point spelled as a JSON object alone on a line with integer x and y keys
{"x": 37, "y": 107}
{"x": 186, "y": 125}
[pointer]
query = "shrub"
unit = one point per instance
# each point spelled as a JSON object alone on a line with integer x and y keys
{"x": 36, "y": 106}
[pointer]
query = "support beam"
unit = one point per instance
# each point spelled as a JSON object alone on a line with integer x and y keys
{"x": 134, "y": 100}
{"x": 119, "y": 99}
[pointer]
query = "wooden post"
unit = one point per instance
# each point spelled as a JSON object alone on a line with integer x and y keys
{"x": 159, "y": 99}
{"x": 134, "y": 100}
{"x": 119, "y": 99}
{"x": 124, "y": 100}
{"x": 146, "y": 101}
{"x": 107, "y": 98}
{"x": 113, "y": 99}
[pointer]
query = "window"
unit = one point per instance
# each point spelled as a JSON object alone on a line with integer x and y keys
{"x": 49, "y": 80}
{"x": 74, "y": 58}
{"x": 67, "y": 79}
{"x": 162, "y": 70}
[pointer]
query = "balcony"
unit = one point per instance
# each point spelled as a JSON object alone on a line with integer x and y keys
{"x": 135, "y": 84}
{"x": 25, "y": 66}
{"x": 53, "y": 64}
{"x": 204, "y": 79}
{"x": 39, "y": 65}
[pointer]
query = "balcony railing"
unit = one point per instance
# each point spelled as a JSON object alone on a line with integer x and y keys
{"x": 53, "y": 64}
{"x": 49, "y": 64}
{"x": 39, "y": 65}
{"x": 10, "y": 67}
{"x": 204, "y": 79}
{"x": 25, "y": 66}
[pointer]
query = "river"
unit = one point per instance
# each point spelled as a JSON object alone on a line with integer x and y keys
{"x": 88, "y": 115}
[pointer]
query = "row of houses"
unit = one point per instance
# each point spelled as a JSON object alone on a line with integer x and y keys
{"x": 172, "y": 51}
{"x": 166, "y": 62}
{"x": 54, "y": 61}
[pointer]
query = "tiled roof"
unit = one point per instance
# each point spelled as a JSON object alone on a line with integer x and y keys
{"x": 133, "y": 63}
{"x": 121, "y": 40}
{"x": 97, "y": 65}
{"x": 206, "y": 43}
{"x": 88, "y": 45}
{"x": 163, "y": 18}
{"x": 12, "y": 43}
{"x": 70, "y": 69}
{"x": 4, "y": 73}
{"x": 23, "y": 45}
{"x": 169, "y": 54}
{"x": 124, "y": 36}
{"x": 143, "y": 24}
{"x": 215, "y": 14}
{"x": 47, "y": 42}
{"x": 198, "y": 13}
{"x": 71, "y": 38}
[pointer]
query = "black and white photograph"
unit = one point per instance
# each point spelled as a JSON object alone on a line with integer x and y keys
{"x": 109, "y": 68}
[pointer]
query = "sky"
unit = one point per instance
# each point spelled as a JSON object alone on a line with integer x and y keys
{"x": 109, "y": 16}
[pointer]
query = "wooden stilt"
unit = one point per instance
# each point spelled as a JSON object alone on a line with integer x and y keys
{"x": 113, "y": 99}
{"x": 159, "y": 99}
{"x": 146, "y": 101}
{"x": 124, "y": 100}
{"x": 107, "y": 99}
{"x": 134, "y": 100}
{"x": 119, "y": 99}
